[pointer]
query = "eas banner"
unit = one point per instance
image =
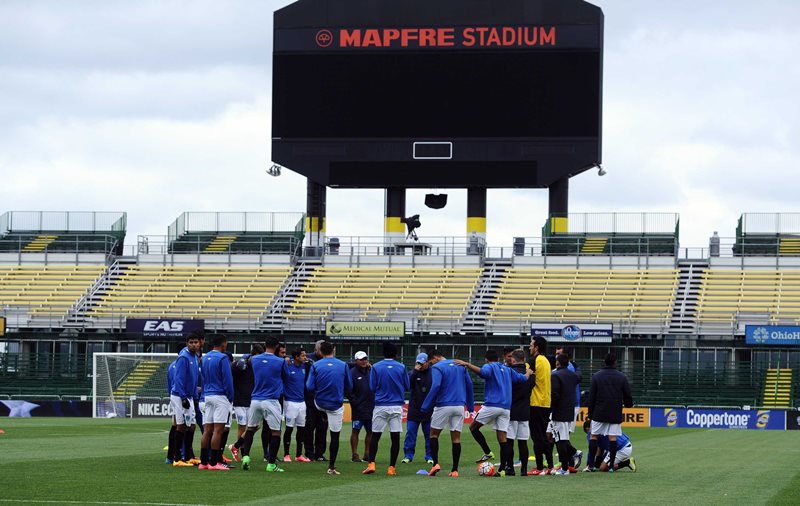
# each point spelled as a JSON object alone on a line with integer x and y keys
{"x": 574, "y": 332}
{"x": 177, "y": 329}
{"x": 718, "y": 418}
{"x": 772, "y": 335}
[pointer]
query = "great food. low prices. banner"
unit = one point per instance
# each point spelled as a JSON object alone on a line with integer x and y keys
{"x": 365, "y": 331}
{"x": 177, "y": 329}
{"x": 718, "y": 418}
{"x": 574, "y": 332}
{"x": 772, "y": 335}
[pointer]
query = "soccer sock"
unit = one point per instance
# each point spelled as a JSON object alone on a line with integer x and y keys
{"x": 548, "y": 454}
{"x": 539, "y": 454}
{"x": 593, "y": 460}
{"x": 299, "y": 440}
{"x": 171, "y": 442}
{"x": 204, "y": 455}
{"x": 334, "y": 449}
{"x": 287, "y": 440}
{"x": 434, "y": 450}
{"x": 265, "y": 432}
{"x": 178, "y": 445}
{"x": 523, "y": 456}
{"x": 248, "y": 442}
{"x": 510, "y": 452}
{"x": 394, "y": 451}
{"x": 188, "y": 451}
{"x": 612, "y": 457}
{"x": 373, "y": 445}
{"x": 481, "y": 439}
{"x": 456, "y": 455}
{"x": 274, "y": 446}
{"x": 214, "y": 459}
{"x": 507, "y": 449}
{"x": 624, "y": 463}
{"x": 239, "y": 442}
{"x": 224, "y": 440}
{"x": 563, "y": 454}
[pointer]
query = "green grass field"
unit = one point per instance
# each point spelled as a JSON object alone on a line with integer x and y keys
{"x": 80, "y": 461}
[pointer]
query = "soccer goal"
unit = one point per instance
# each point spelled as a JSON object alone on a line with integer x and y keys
{"x": 120, "y": 381}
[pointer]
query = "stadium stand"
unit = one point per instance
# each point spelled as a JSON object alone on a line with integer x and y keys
{"x": 768, "y": 234}
{"x": 233, "y": 295}
{"x": 59, "y": 232}
{"x": 643, "y": 298}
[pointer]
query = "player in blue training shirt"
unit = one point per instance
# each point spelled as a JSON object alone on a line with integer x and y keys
{"x": 328, "y": 380}
{"x": 295, "y": 405}
{"x": 173, "y": 427}
{"x": 269, "y": 373}
{"x": 218, "y": 391}
{"x": 451, "y": 392}
{"x": 623, "y": 457}
{"x": 496, "y": 409}
{"x": 389, "y": 381}
{"x": 182, "y": 392}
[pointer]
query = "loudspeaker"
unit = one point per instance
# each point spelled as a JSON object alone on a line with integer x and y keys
{"x": 436, "y": 201}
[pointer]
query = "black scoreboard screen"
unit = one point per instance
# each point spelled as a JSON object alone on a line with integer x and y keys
{"x": 420, "y": 93}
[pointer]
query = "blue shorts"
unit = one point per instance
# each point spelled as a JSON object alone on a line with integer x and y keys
{"x": 365, "y": 424}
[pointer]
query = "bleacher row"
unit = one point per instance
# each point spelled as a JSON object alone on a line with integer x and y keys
{"x": 646, "y": 296}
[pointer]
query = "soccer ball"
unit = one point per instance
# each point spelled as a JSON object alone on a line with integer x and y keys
{"x": 486, "y": 469}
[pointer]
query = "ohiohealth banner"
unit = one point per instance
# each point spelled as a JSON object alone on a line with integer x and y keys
{"x": 718, "y": 418}
{"x": 772, "y": 335}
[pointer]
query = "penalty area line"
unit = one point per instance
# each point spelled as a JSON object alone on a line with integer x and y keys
{"x": 121, "y": 503}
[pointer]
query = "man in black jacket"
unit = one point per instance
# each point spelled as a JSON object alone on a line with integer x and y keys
{"x": 518, "y": 427}
{"x": 420, "y": 379}
{"x": 243, "y": 382}
{"x": 562, "y": 415}
{"x": 362, "y": 403}
{"x": 316, "y": 421}
{"x": 610, "y": 390}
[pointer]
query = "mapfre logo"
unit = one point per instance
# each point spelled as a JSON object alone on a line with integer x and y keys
{"x": 324, "y": 38}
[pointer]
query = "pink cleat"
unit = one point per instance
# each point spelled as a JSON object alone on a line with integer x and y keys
{"x": 219, "y": 467}
{"x": 302, "y": 458}
{"x": 203, "y": 467}
{"x": 287, "y": 458}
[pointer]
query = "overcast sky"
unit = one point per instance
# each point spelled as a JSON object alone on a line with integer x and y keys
{"x": 160, "y": 107}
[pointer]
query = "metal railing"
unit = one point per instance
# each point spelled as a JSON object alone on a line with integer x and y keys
{"x": 621, "y": 223}
{"x": 194, "y": 244}
{"x": 244, "y": 222}
{"x": 69, "y": 244}
{"x": 768, "y": 223}
{"x": 63, "y": 221}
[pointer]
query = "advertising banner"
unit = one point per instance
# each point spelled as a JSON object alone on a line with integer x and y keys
{"x": 793, "y": 420}
{"x": 772, "y": 335}
{"x": 574, "y": 332}
{"x": 150, "y": 408}
{"x": 365, "y": 331}
{"x": 718, "y": 418}
{"x": 35, "y": 408}
{"x": 176, "y": 329}
{"x": 632, "y": 417}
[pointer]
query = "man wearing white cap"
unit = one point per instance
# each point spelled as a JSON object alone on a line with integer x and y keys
{"x": 420, "y": 379}
{"x": 362, "y": 403}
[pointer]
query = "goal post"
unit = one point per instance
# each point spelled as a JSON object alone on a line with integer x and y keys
{"x": 118, "y": 379}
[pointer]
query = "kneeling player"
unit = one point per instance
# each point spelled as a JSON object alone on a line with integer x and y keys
{"x": 624, "y": 457}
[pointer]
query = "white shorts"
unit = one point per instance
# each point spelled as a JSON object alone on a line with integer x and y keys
{"x": 451, "y": 417}
{"x": 231, "y": 416}
{"x": 241, "y": 415}
{"x": 622, "y": 454}
{"x": 334, "y": 418}
{"x": 559, "y": 430}
{"x": 499, "y": 417}
{"x": 182, "y": 416}
{"x": 519, "y": 430}
{"x": 269, "y": 410}
{"x": 387, "y": 415}
{"x": 606, "y": 429}
{"x": 295, "y": 413}
{"x": 217, "y": 409}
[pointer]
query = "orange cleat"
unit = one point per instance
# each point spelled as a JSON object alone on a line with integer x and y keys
{"x": 391, "y": 471}
{"x": 370, "y": 468}
{"x": 435, "y": 469}
{"x": 453, "y": 474}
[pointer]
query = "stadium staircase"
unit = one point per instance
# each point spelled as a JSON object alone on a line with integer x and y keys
{"x": 594, "y": 245}
{"x": 79, "y": 314}
{"x": 134, "y": 383}
{"x": 684, "y": 310}
{"x": 777, "y": 388}
{"x": 789, "y": 246}
{"x": 220, "y": 243}
{"x": 275, "y": 317}
{"x": 482, "y": 299}
{"x": 40, "y": 243}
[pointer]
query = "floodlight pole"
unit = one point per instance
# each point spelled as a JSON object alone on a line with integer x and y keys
{"x": 315, "y": 219}
{"x": 559, "y": 205}
{"x": 476, "y": 213}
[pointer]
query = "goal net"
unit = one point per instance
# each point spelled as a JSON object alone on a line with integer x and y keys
{"x": 123, "y": 381}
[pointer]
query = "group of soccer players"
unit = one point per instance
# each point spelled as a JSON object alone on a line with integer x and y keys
{"x": 521, "y": 399}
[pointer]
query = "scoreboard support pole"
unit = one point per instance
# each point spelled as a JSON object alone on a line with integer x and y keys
{"x": 476, "y": 214}
{"x": 394, "y": 231}
{"x": 315, "y": 218}
{"x": 559, "y": 206}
